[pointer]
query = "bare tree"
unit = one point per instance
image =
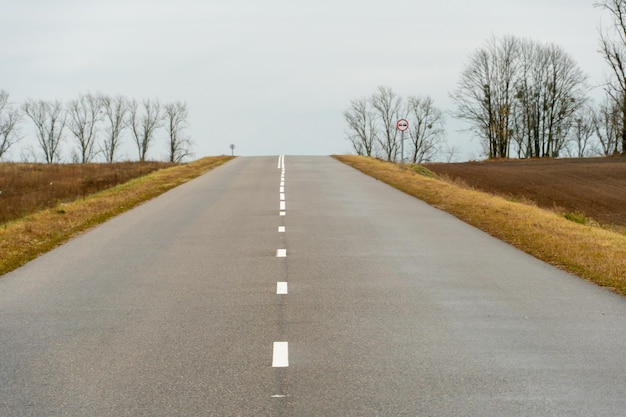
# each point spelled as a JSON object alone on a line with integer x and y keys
{"x": 362, "y": 126}
{"x": 613, "y": 50}
{"x": 566, "y": 95}
{"x": 84, "y": 115}
{"x": 10, "y": 117}
{"x": 581, "y": 133}
{"x": 49, "y": 119}
{"x": 450, "y": 153}
{"x": 607, "y": 124}
{"x": 176, "y": 122}
{"x": 143, "y": 125}
{"x": 549, "y": 91}
{"x": 387, "y": 106}
{"x": 485, "y": 93}
{"x": 521, "y": 92}
{"x": 115, "y": 112}
{"x": 425, "y": 128}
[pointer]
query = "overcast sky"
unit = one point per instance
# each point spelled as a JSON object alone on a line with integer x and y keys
{"x": 271, "y": 76}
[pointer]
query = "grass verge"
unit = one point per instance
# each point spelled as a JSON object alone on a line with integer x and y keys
{"x": 588, "y": 251}
{"x": 24, "y": 239}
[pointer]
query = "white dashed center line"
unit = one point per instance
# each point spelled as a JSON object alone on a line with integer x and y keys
{"x": 281, "y": 288}
{"x": 281, "y": 355}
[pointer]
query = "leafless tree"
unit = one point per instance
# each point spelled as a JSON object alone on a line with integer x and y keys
{"x": 485, "y": 93}
{"x": 176, "y": 122}
{"x": 115, "y": 112}
{"x": 49, "y": 119}
{"x": 84, "y": 115}
{"x": 521, "y": 92}
{"x": 613, "y": 50}
{"x": 607, "y": 122}
{"x": 550, "y": 90}
{"x": 362, "y": 126}
{"x": 566, "y": 95}
{"x": 426, "y": 131}
{"x": 10, "y": 118}
{"x": 450, "y": 153}
{"x": 582, "y": 132}
{"x": 144, "y": 124}
{"x": 387, "y": 106}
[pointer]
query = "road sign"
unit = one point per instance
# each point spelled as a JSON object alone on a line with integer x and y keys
{"x": 402, "y": 125}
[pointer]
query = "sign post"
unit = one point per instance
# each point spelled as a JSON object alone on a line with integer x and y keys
{"x": 232, "y": 150}
{"x": 402, "y": 125}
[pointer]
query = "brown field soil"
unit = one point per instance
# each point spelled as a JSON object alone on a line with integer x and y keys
{"x": 26, "y": 188}
{"x": 595, "y": 187}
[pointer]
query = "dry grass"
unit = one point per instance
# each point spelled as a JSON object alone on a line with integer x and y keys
{"x": 24, "y": 239}
{"x": 588, "y": 251}
{"x": 27, "y": 188}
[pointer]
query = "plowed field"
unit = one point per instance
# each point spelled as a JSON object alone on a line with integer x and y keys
{"x": 595, "y": 187}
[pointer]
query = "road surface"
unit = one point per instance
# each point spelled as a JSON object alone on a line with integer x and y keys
{"x": 326, "y": 293}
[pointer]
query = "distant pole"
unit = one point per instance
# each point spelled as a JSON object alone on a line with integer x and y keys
{"x": 402, "y": 125}
{"x": 232, "y": 150}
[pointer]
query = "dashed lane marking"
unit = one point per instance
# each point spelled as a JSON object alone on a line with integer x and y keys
{"x": 281, "y": 288}
{"x": 280, "y": 358}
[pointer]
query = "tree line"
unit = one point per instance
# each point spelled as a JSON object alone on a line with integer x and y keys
{"x": 372, "y": 126}
{"x": 95, "y": 125}
{"x": 522, "y": 98}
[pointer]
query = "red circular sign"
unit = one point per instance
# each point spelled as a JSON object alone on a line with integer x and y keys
{"x": 402, "y": 125}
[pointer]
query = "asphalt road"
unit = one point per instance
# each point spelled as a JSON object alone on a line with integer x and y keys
{"x": 367, "y": 303}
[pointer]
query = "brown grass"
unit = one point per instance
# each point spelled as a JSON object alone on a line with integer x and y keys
{"x": 25, "y": 239}
{"x": 26, "y": 188}
{"x": 591, "y": 252}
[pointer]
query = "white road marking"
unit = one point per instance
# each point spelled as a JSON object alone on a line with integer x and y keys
{"x": 281, "y": 288}
{"x": 282, "y": 213}
{"x": 281, "y": 229}
{"x": 281, "y": 355}
{"x": 282, "y": 205}
{"x": 278, "y": 396}
{"x": 282, "y": 188}
{"x": 282, "y": 184}
{"x": 281, "y": 162}
{"x": 282, "y": 196}
{"x": 281, "y": 253}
